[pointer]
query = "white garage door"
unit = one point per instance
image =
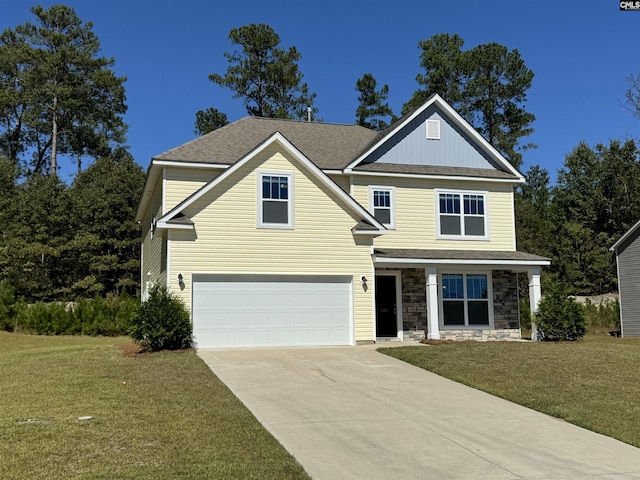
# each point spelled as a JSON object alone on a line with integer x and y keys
{"x": 269, "y": 310}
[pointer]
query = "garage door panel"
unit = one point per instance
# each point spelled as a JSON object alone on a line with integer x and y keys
{"x": 242, "y": 311}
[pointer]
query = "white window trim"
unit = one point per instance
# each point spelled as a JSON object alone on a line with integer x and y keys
{"x": 484, "y": 194}
{"x": 465, "y": 272}
{"x": 392, "y": 192}
{"x": 259, "y": 199}
{"x": 432, "y": 127}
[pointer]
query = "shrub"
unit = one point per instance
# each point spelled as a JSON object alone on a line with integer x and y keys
{"x": 559, "y": 317}
{"x": 110, "y": 316}
{"x": 162, "y": 323}
{"x": 525, "y": 314}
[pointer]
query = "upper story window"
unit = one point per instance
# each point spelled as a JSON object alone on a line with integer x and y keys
{"x": 275, "y": 202}
{"x": 382, "y": 204}
{"x": 462, "y": 215}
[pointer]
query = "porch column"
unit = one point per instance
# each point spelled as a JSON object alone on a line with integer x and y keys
{"x": 534, "y": 298}
{"x": 431, "y": 274}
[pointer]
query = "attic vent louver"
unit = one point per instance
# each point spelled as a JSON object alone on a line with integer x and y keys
{"x": 433, "y": 129}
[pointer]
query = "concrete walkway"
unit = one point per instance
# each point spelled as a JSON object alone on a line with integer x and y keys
{"x": 353, "y": 413}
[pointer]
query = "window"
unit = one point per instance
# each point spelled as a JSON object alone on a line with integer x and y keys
{"x": 381, "y": 201}
{"x": 275, "y": 203}
{"x": 465, "y": 299}
{"x": 462, "y": 215}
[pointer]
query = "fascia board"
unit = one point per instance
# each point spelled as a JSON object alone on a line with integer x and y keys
{"x": 174, "y": 163}
{"x": 370, "y": 232}
{"x": 441, "y": 261}
{"x": 147, "y": 192}
{"x": 625, "y": 236}
{"x": 163, "y": 225}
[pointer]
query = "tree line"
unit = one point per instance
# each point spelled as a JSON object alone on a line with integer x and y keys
{"x": 59, "y": 97}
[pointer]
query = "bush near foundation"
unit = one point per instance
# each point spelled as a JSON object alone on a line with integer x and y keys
{"x": 559, "y": 317}
{"x": 162, "y": 323}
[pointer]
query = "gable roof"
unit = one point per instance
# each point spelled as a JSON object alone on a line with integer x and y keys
{"x": 330, "y": 145}
{"x": 625, "y": 237}
{"x": 456, "y": 118}
{"x": 366, "y": 218}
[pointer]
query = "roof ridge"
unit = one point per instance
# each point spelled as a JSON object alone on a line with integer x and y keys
{"x": 166, "y": 152}
{"x": 293, "y": 120}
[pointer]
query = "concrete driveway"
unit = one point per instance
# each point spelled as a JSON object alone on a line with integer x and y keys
{"x": 351, "y": 413}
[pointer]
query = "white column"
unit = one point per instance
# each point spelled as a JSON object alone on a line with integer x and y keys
{"x": 534, "y": 298}
{"x": 432, "y": 303}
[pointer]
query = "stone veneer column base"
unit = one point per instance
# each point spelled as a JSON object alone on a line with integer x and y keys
{"x": 413, "y": 335}
{"x": 481, "y": 335}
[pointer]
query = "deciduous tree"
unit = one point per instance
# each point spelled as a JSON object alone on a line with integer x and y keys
{"x": 632, "y": 95}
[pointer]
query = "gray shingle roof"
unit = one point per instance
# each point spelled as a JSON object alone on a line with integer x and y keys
{"x": 329, "y": 146}
{"x": 497, "y": 255}
{"x": 434, "y": 170}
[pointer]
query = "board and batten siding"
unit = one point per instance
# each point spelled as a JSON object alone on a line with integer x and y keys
{"x": 629, "y": 284}
{"x": 415, "y": 213}
{"x": 410, "y": 145}
{"x": 181, "y": 182}
{"x": 151, "y": 266}
{"x": 227, "y": 240}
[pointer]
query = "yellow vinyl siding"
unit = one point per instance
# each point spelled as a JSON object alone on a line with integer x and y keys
{"x": 151, "y": 266}
{"x": 342, "y": 181}
{"x": 415, "y": 210}
{"x": 182, "y": 182}
{"x": 227, "y": 239}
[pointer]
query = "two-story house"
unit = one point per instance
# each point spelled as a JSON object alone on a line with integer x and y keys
{"x": 278, "y": 232}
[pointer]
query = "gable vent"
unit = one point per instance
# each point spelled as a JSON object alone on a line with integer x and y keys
{"x": 433, "y": 129}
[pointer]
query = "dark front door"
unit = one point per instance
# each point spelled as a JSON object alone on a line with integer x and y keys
{"x": 386, "y": 317}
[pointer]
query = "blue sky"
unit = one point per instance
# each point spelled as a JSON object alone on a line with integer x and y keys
{"x": 580, "y": 51}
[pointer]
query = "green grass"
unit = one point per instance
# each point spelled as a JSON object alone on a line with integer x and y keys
{"x": 593, "y": 383}
{"x": 157, "y": 416}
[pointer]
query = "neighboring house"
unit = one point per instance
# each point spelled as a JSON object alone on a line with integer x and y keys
{"x": 627, "y": 251}
{"x": 278, "y": 232}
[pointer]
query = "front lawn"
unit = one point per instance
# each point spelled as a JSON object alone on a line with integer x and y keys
{"x": 594, "y": 383}
{"x": 153, "y": 416}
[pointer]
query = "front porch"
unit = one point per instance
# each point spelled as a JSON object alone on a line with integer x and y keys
{"x": 452, "y": 295}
